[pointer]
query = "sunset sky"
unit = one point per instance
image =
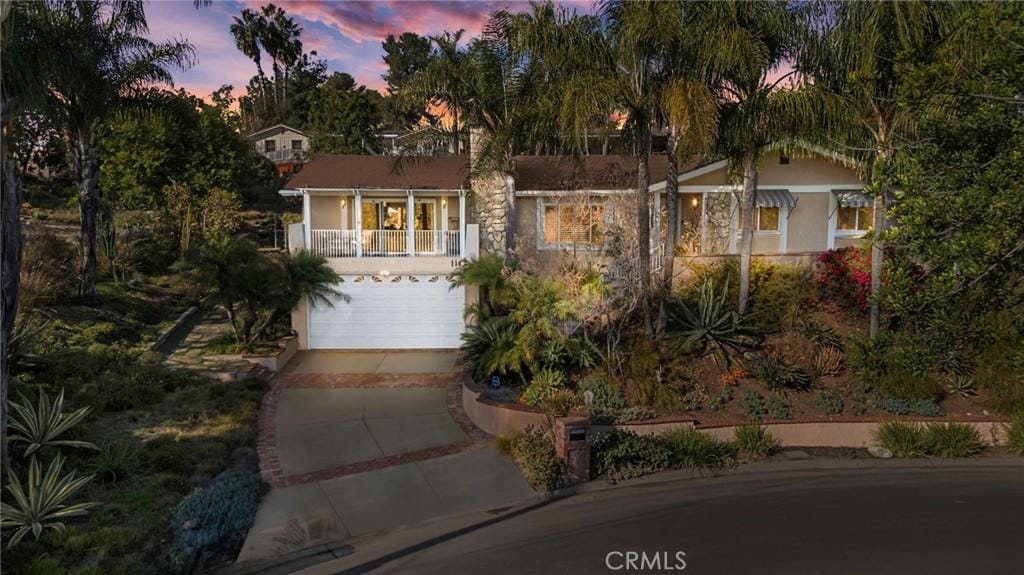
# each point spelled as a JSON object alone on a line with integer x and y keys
{"x": 346, "y": 34}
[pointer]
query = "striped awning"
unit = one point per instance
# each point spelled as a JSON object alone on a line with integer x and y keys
{"x": 774, "y": 199}
{"x": 853, "y": 199}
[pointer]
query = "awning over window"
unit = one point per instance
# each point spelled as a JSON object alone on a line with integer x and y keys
{"x": 853, "y": 199}
{"x": 774, "y": 199}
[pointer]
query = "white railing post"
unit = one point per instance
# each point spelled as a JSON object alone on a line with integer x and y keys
{"x": 357, "y": 217}
{"x": 462, "y": 223}
{"x": 410, "y": 220}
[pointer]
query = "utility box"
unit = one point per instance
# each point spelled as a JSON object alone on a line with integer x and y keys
{"x": 572, "y": 445}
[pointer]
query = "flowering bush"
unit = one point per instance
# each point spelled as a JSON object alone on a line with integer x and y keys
{"x": 844, "y": 278}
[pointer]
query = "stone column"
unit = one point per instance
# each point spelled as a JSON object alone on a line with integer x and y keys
{"x": 490, "y": 191}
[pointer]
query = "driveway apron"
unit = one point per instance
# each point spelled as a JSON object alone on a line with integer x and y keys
{"x": 355, "y": 443}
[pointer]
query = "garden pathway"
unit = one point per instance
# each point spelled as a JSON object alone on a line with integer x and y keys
{"x": 356, "y": 443}
{"x": 191, "y": 351}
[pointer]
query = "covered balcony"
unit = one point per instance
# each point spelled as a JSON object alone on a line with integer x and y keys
{"x": 378, "y": 224}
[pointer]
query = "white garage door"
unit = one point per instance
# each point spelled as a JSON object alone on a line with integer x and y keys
{"x": 390, "y": 312}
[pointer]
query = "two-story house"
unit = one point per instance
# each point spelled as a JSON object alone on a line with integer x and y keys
{"x": 395, "y": 229}
{"x": 283, "y": 145}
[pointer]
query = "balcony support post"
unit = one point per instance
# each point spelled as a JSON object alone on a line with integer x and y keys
{"x": 444, "y": 249}
{"x": 307, "y": 223}
{"x": 410, "y": 220}
{"x": 462, "y": 223}
{"x": 357, "y": 218}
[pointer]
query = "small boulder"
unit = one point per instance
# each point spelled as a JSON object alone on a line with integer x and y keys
{"x": 879, "y": 452}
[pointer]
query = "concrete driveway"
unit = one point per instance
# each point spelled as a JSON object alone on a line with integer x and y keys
{"x": 356, "y": 443}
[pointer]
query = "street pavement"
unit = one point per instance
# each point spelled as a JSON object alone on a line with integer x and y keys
{"x": 956, "y": 518}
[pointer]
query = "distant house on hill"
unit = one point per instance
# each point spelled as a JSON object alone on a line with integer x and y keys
{"x": 287, "y": 147}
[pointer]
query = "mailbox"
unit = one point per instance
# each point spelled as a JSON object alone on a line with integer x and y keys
{"x": 572, "y": 444}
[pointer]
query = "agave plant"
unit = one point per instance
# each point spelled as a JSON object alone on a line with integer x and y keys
{"x": 41, "y": 424}
{"x": 38, "y": 504}
{"x": 962, "y": 385}
{"x": 711, "y": 325}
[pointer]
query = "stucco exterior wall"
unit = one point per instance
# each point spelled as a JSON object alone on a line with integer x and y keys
{"x": 325, "y": 212}
{"x": 716, "y": 178}
{"x": 299, "y": 324}
{"x": 804, "y": 171}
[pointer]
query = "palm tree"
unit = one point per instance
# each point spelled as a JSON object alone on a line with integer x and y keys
{"x": 859, "y": 60}
{"x": 279, "y": 36}
{"x": 101, "y": 61}
{"x": 687, "y": 107}
{"x": 247, "y": 31}
{"x": 747, "y": 44}
{"x": 602, "y": 65}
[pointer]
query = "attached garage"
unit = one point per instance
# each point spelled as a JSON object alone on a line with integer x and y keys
{"x": 390, "y": 312}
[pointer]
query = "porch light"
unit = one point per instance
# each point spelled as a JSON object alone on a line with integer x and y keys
{"x": 694, "y": 201}
{"x": 444, "y": 202}
{"x": 344, "y": 203}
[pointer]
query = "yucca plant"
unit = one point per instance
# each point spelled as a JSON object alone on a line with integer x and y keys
{"x": 962, "y": 385}
{"x": 711, "y": 325}
{"x": 39, "y": 503}
{"x": 40, "y": 425}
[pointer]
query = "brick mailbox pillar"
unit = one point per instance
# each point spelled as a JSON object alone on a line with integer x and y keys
{"x": 572, "y": 445}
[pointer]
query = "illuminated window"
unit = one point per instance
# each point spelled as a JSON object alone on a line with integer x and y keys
{"x": 573, "y": 224}
{"x": 854, "y": 219}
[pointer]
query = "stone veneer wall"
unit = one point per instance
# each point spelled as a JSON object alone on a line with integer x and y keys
{"x": 490, "y": 203}
{"x": 717, "y": 223}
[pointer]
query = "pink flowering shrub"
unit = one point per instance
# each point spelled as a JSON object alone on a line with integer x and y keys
{"x": 843, "y": 278}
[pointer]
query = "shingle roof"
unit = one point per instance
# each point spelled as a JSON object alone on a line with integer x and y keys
{"x": 534, "y": 173}
{"x": 554, "y": 173}
{"x": 383, "y": 172}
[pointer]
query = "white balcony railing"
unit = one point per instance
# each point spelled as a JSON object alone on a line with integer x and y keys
{"x": 383, "y": 243}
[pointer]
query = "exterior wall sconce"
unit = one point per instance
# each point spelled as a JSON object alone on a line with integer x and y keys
{"x": 694, "y": 202}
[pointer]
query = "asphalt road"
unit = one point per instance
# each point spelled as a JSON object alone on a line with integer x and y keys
{"x": 952, "y": 519}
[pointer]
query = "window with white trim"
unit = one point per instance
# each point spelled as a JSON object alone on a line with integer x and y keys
{"x": 854, "y": 219}
{"x": 573, "y": 223}
{"x": 766, "y": 219}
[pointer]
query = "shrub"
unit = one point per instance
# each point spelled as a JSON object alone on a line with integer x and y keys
{"x": 753, "y": 404}
{"x": 490, "y": 347}
{"x": 902, "y": 439}
{"x": 953, "y": 440}
{"x": 828, "y": 361}
{"x": 533, "y": 450}
{"x": 820, "y": 334}
{"x": 543, "y": 385}
{"x": 692, "y": 449}
{"x": 559, "y": 401}
{"x": 899, "y": 406}
{"x": 777, "y": 292}
{"x": 635, "y": 413}
{"x": 777, "y": 375}
{"x": 1015, "y": 435}
{"x": 49, "y": 267}
{"x": 710, "y": 325}
{"x": 829, "y": 402}
{"x": 116, "y": 461}
{"x": 904, "y": 385}
{"x": 754, "y": 441}
{"x": 843, "y": 278}
{"x": 868, "y": 357}
{"x": 778, "y": 409}
{"x": 621, "y": 454}
{"x": 606, "y": 399}
{"x": 219, "y": 513}
{"x": 718, "y": 402}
